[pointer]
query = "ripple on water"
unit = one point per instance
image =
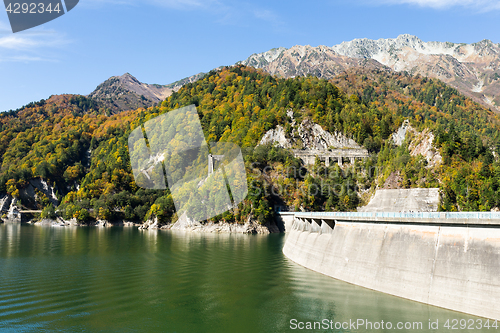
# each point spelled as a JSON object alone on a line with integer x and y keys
{"x": 121, "y": 279}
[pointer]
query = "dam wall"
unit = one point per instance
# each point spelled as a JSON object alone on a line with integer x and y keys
{"x": 451, "y": 266}
{"x": 285, "y": 220}
{"x": 403, "y": 200}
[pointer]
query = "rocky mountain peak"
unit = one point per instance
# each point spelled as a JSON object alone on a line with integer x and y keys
{"x": 302, "y": 60}
{"x": 261, "y": 59}
{"x": 486, "y": 48}
{"x": 127, "y": 77}
{"x": 126, "y": 92}
{"x": 367, "y": 48}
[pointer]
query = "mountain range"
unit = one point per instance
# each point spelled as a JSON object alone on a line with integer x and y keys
{"x": 473, "y": 69}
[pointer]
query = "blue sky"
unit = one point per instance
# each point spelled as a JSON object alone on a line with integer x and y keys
{"x": 161, "y": 41}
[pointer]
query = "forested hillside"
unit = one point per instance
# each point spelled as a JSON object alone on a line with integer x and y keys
{"x": 83, "y": 153}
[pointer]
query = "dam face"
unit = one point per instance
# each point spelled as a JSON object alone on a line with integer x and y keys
{"x": 449, "y": 265}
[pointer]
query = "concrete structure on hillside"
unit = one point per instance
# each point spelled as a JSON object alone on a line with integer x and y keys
{"x": 211, "y": 162}
{"x": 450, "y": 260}
{"x": 404, "y": 200}
{"x": 327, "y": 155}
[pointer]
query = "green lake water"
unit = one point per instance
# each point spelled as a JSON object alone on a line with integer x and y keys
{"x": 58, "y": 279}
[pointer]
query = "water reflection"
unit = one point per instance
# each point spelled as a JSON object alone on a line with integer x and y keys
{"x": 122, "y": 279}
{"x": 10, "y": 235}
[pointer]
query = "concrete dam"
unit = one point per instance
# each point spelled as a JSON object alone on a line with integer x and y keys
{"x": 449, "y": 260}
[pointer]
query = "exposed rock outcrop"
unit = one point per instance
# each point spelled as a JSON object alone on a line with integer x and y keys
{"x": 58, "y": 222}
{"x": 276, "y": 136}
{"x": 313, "y": 136}
{"x": 13, "y": 214}
{"x": 399, "y": 137}
{"x": 184, "y": 223}
{"x": 5, "y": 201}
{"x": 421, "y": 143}
{"x": 307, "y": 135}
{"x": 9, "y": 207}
{"x": 29, "y": 193}
{"x": 150, "y": 224}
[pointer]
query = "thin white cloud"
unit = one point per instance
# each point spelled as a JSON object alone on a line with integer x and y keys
{"x": 480, "y": 5}
{"x": 15, "y": 42}
{"x": 29, "y": 46}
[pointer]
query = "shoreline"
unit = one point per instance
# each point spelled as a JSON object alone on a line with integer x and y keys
{"x": 250, "y": 227}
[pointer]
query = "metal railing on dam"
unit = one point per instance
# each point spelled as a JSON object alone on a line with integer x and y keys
{"x": 428, "y": 218}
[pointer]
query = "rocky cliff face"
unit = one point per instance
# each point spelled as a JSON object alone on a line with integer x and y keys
{"x": 32, "y": 193}
{"x": 306, "y": 135}
{"x": 420, "y": 143}
{"x": 38, "y": 187}
{"x": 184, "y": 223}
{"x": 473, "y": 69}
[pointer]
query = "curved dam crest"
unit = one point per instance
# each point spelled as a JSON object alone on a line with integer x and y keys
{"x": 452, "y": 263}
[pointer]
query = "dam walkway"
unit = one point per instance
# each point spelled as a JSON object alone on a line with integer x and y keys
{"x": 471, "y": 219}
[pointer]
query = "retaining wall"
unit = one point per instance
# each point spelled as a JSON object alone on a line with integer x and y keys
{"x": 457, "y": 268}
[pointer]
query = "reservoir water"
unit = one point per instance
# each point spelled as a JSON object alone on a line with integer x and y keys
{"x": 57, "y": 279}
